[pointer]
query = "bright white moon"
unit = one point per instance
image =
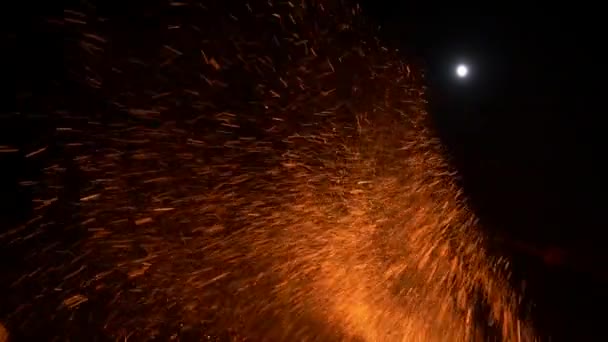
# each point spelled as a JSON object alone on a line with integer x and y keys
{"x": 462, "y": 71}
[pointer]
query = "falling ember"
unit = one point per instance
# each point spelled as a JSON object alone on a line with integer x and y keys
{"x": 284, "y": 186}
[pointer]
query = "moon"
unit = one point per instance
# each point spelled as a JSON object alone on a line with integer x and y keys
{"x": 462, "y": 71}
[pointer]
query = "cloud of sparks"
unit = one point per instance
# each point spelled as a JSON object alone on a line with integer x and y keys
{"x": 260, "y": 171}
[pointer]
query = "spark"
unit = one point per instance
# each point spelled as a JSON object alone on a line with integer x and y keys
{"x": 75, "y": 301}
{"x": 31, "y": 154}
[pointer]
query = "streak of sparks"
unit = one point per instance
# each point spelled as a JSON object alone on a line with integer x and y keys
{"x": 265, "y": 172}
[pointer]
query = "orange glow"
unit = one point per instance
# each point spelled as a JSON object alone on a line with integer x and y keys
{"x": 305, "y": 198}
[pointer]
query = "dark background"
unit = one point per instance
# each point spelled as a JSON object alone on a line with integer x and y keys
{"x": 526, "y": 131}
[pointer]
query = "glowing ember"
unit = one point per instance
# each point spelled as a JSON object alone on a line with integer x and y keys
{"x": 263, "y": 171}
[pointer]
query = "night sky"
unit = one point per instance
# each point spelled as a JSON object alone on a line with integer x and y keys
{"x": 526, "y": 131}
